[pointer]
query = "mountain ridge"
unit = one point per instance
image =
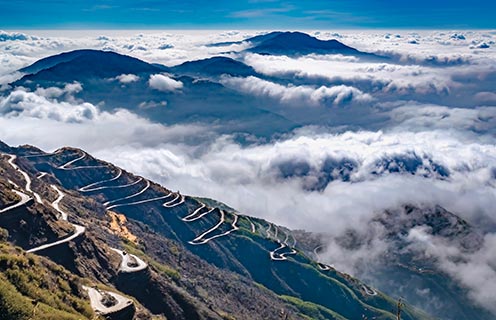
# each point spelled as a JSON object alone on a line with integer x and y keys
{"x": 81, "y": 64}
{"x": 245, "y": 247}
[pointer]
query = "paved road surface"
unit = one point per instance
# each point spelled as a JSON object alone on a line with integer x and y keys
{"x": 24, "y": 199}
{"x": 96, "y": 296}
{"x": 127, "y": 259}
{"x": 26, "y": 177}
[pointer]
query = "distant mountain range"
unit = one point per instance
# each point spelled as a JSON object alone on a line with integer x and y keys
{"x": 97, "y": 71}
{"x": 203, "y": 97}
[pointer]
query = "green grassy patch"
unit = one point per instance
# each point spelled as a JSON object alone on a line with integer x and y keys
{"x": 32, "y": 287}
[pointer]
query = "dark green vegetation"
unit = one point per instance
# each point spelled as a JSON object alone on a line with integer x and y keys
{"x": 33, "y": 287}
{"x": 230, "y": 276}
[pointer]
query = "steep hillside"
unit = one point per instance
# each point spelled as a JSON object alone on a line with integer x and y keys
{"x": 177, "y": 256}
{"x": 32, "y": 287}
{"x": 79, "y": 65}
{"x": 402, "y": 269}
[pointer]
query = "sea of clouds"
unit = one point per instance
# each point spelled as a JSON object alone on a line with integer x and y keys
{"x": 420, "y": 130}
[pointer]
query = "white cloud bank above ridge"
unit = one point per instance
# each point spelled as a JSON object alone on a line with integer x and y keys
{"x": 303, "y": 95}
{"x": 39, "y": 118}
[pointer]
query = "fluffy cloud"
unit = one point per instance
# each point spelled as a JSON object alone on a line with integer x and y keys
{"x": 20, "y": 103}
{"x": 164, "y": 83}
{"x": 333, "y": 183}
{"x": 55, "y": 92}
{"x": 37, "y": 119}
{"x": 127, "y": 78}
{"x": 416, "y": 117}
{"x": 13, "y": 36}
{"x": 305, "y": 95}
{"x": 374, "y": 77}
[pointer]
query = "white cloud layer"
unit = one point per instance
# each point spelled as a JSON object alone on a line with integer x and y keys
{"x": 294, "y": 95}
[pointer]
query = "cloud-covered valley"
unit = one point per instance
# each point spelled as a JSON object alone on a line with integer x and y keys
{"x": 417, "y": 128}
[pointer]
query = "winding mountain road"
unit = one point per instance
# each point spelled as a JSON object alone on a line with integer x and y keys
{"x": 130, "y": 196}
{"x": 130, "y": 263}
{"x": 252, "y": 225}
{"x": 369, "y": 291}
{"x": 323, "y": 266}
{"x": 274, "y": 255}
{"x": 96, "y": 297}
{"x": 137, "y": 202}
{"x": 55, "y": 204}
{"x": 65, "y": 165}
{"x": 200, "y": 239}
{"x": 268, "y": 230}
{"x": 91, "y": 187}
{"x": 315, "y": 251}
{"x": 173, "y": 203}
{"x": 26, "y": 177}
{"x": 78, "y": 230}
{"x": 195, "y": 216}
{"x": 24, "y": 199}
{"x": 41, "y": 175}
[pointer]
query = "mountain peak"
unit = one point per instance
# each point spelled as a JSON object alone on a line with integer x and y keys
{"x": 297, "y": 43}
{"x": 86, "y": 63}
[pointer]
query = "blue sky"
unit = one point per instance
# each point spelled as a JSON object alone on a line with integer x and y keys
{"x": 246, "y": 14}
